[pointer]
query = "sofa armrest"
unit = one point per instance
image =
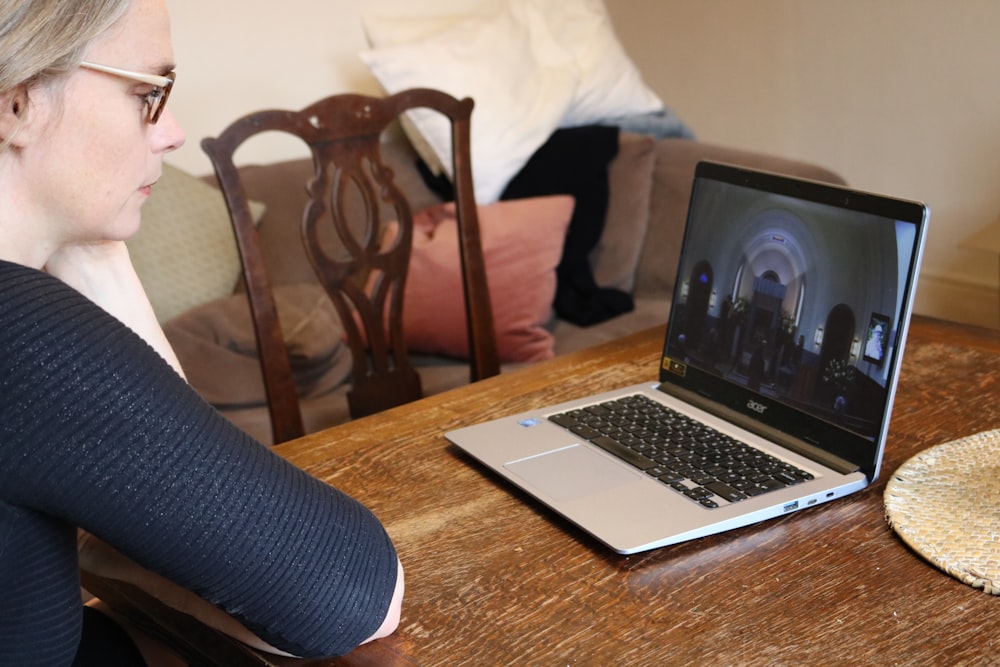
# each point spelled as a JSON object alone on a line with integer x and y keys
{"x": 673, "y": 176}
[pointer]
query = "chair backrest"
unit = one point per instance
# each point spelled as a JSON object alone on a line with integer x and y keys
{"x": 364, "y": 276}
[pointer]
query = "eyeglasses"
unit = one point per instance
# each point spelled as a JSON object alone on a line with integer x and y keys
{"x": 156, "y": 99}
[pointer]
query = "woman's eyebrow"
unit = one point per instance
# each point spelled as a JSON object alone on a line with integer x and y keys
{"x": 164, "y": 68}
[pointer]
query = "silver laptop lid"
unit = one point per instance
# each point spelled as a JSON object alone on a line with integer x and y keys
{"x": 791, "y": 308}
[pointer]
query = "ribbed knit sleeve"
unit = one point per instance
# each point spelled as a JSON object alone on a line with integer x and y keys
{"x": 97, "y": 431}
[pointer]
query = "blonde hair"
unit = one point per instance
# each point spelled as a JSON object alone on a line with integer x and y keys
{"x": 42, "y": 39}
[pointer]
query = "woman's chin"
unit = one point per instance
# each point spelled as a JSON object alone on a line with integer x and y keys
{"x": 126, "y": 227}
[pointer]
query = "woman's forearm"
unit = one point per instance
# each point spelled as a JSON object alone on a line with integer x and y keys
{"x": 102, "y": 560}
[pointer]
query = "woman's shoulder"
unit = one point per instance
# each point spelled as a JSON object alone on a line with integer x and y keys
{"x": 23, "y": 287}
{"x": 8, "y": 267}
{"x": 17, "y": 277}
{"x": 36, "y": 306}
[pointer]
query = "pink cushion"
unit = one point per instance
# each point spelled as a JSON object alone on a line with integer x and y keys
{"x": 522, "y": 244}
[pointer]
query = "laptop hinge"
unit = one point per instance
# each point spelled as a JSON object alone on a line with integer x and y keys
{"x": 770, "y": 433}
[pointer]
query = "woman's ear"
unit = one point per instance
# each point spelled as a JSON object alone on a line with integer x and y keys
{"x": 13, "y": 111}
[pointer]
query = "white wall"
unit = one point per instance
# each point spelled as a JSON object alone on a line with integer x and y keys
{"x": 899, "y": 96}
{"x": 234, "y": 58}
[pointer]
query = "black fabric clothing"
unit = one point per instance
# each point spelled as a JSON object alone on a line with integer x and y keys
{"x": 104, "y": 643}
{"x": 575, "y": 161}
{"x": 98, "y": 431}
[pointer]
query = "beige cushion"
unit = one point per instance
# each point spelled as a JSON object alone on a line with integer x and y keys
{"x": 673, "y": 176}
{"x": 217, "y": 348}
{"x": 185, "y": 252}
{"x": 630, "y": 178}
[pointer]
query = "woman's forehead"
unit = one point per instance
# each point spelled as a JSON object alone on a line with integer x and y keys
{"x": 140, "y": 40}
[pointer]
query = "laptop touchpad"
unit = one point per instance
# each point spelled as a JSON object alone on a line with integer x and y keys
{"x": 572, "y": 472}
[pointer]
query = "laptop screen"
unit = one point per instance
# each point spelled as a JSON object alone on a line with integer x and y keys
{"x": 791, "y": 305}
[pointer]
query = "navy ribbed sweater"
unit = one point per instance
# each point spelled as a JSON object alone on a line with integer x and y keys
{"x": 97, "y": 431}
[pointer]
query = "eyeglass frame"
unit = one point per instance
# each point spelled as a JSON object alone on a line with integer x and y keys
{"x": 163, "y": 83}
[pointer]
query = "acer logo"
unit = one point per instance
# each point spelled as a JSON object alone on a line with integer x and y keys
{"x": 757, "y": 407}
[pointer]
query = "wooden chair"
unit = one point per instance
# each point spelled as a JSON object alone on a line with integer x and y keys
{"x": 364, "y": 279}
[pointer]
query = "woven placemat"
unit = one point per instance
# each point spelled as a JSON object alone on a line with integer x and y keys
{"x": 945, "y": 503}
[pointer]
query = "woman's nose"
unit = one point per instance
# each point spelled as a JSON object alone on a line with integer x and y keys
{"x": 168, "y": 135}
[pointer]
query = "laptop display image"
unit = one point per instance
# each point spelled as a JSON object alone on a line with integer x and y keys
{"x": 781, "y": 354}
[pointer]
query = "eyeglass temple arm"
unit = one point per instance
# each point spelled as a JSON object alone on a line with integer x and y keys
{"x": 153, "y": 79}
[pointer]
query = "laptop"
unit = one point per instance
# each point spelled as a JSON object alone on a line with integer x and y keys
{"x": 780, "y": 361}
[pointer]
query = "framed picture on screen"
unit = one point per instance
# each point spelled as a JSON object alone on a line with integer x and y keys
{"x": 877, "y": 339}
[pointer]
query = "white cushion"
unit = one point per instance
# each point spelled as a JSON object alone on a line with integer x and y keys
{"x": 532, "y": 66}
{"x": 521, "y": 80}
{"x": 610, "y": 85}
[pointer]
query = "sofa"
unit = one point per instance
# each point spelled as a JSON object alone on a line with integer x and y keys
{"x": 191, "y": 271}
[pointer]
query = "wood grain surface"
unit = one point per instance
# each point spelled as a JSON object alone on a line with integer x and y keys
{"x": 495, "y": 579}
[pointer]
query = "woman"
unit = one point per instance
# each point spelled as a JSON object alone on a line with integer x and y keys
{"x": 98, "y": 430}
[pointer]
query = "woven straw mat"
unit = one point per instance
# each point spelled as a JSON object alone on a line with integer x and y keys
{"x": 945, "y": 504}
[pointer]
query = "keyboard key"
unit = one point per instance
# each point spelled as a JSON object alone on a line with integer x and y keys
{"x": 585, "y": 431}
{"x": 787, "y": 477}
{"x": 771, "y": 485}
{"x": 564, "y": 420}
{"x": 725, "y": 491}
{"x": 622, "y": 452}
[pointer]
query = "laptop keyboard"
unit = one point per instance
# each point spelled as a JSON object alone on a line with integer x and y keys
{"x": 690, "y": 457}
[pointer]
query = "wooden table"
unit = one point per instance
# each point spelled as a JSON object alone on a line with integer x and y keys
{"x": 495, "y": 579}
